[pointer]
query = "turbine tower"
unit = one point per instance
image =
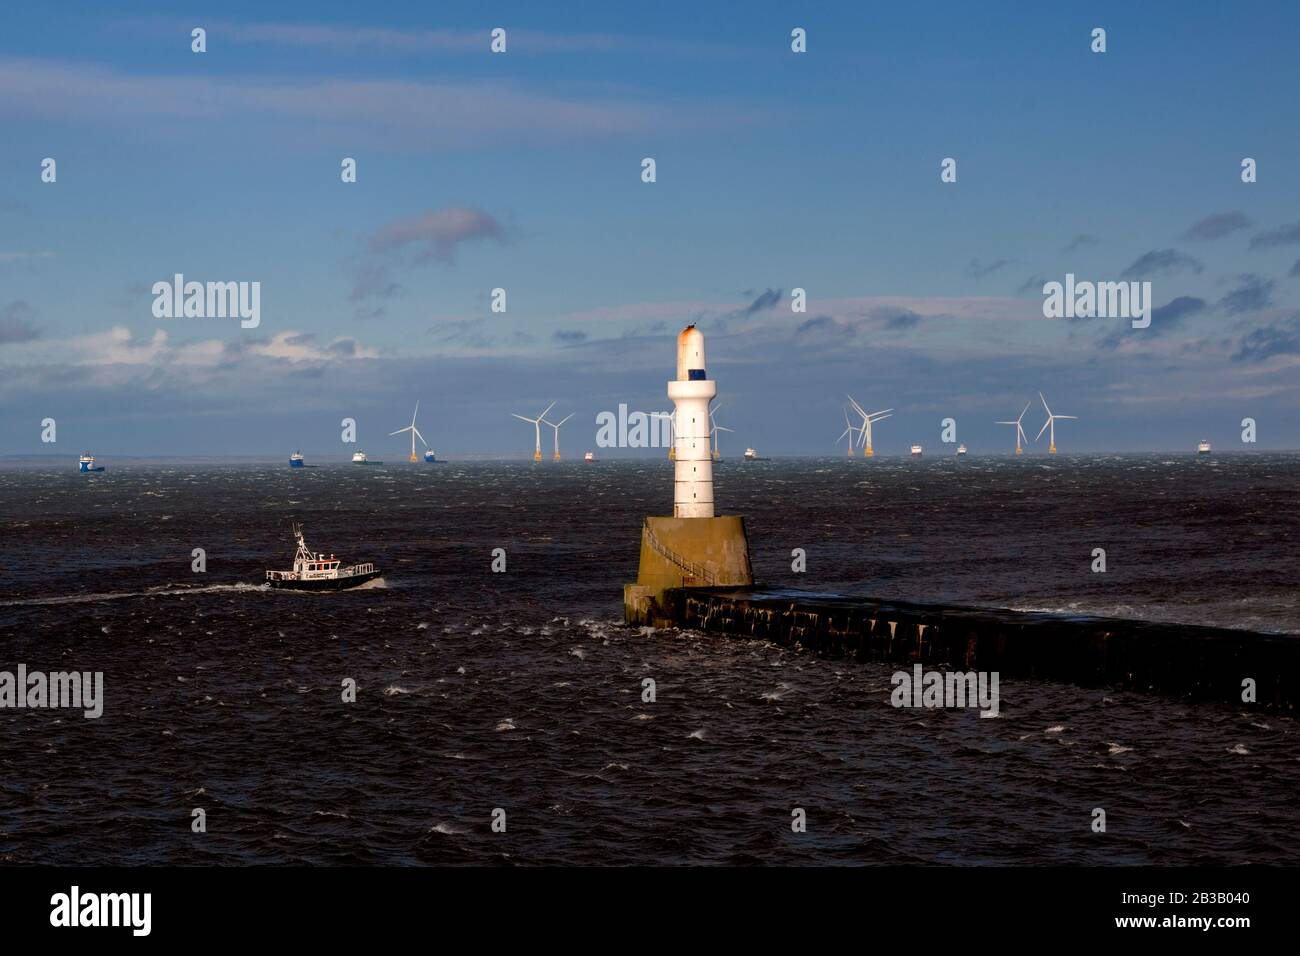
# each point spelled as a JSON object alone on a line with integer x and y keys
{"x": 415, "y": 433}
{"x": 1020, "y": 432}
{"x": 868, "y": 419}
{"x": 1051, "y": 423}
{"x": 672, "y": 432}
{"x": 848, "y": 430}
{"x": 556, "y": 426}
{"x": 537, "y": 430}
{"x": 692, "y": 392}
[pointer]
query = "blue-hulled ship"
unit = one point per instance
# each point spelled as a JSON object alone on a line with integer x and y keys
{"x": 296, "y": 460}
{"x": 88, "y": 463}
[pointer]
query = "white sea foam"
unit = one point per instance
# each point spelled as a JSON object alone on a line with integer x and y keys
{"x": 121, "y": 595}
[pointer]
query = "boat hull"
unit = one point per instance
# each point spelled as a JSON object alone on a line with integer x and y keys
{"x": 324, "y": 584}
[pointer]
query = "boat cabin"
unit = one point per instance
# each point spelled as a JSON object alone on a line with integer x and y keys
{"x": 311, "y": 565}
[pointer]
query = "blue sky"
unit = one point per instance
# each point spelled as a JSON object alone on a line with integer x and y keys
{"x": 522, "y": 171}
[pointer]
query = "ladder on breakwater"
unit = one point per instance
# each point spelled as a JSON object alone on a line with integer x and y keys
{"x": 691, "y": 572}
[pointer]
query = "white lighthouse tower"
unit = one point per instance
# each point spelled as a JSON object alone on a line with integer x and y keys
{"x": 695, "y": 548}
{"x": 692, "y": 392}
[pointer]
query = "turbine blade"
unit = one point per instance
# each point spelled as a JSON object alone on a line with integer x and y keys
{"x": 1049, "y": 411}
{"x": 530, "y": 421}
{"x": 1043, "y": 429}
{"x": 1022, "y": 413}
{"x": 548, "y": 408}
{"x": 565, "y": 419}
{"x": 399, "y": 431}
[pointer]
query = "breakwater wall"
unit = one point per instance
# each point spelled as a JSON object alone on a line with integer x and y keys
{"x": 1201, "y": 663}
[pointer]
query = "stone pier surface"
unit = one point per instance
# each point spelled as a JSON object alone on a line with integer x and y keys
{"x": 1202, "y": 663}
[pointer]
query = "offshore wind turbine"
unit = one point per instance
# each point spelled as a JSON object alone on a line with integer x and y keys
{"x": 1051, "y": 423}
{"x": 537, "y": 430}
{"x": 848, "y": 430}
{"x": 415, "y": 432}
{"x": 714, "y": 428}
{"x": 1020, "y": 432}
{"x": 868, "y": 419}
{"x": 717, "y": 454}
{"x": 556, "y": 426}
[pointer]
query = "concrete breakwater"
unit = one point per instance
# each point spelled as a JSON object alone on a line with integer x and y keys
{"x": 1201, "y": 663}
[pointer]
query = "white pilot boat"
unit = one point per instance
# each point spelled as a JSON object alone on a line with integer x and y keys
{"x": 916, "y": 451}
{"x": 752, "y": 455}
{"x": 314, "y": 571}
{"x": 1203, "y": 448}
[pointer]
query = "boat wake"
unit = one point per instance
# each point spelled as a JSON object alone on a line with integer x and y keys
{"x": 163, "y": 591}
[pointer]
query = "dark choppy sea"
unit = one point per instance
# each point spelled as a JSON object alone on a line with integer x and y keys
{"x": 522, "y": 690}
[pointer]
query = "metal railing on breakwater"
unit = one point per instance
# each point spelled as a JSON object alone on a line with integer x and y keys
{"x": 693, "y": 573}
